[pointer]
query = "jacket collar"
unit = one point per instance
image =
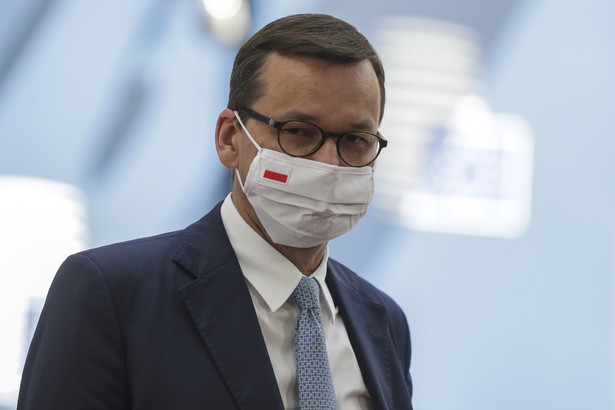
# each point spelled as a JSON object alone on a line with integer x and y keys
{"x": 219, "y": 303}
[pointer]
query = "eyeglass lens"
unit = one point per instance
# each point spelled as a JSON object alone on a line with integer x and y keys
{"x": 299, "y": 138}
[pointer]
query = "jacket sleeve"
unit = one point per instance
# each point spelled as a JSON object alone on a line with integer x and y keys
{"x": 76, "y": 359}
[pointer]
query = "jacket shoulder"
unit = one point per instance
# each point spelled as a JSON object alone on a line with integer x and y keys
{"x": 136, "y": 250}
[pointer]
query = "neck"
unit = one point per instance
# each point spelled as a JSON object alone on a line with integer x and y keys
{"x": 305, "y": 259}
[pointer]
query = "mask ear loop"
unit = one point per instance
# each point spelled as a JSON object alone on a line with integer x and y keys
{"x": 258, "y": 147}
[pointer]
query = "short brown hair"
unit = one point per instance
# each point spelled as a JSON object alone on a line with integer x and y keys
{"x": 314, "y": 35}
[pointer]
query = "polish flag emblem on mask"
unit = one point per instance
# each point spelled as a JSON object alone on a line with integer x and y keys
{"x": 275, "y": 176}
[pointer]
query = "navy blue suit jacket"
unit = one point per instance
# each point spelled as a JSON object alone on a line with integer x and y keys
{"x": 167, "y": 322}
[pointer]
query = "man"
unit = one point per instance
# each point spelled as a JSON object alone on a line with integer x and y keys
{"x": 212, "y": 317}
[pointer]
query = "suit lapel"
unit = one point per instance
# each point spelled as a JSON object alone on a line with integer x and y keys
{"x": 220, "y": 306}
{"x": 366, "y": 324}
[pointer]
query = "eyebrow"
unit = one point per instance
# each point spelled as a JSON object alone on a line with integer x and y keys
{"x": 302, "y": 116}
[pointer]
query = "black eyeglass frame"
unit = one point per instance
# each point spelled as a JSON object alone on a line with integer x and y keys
{"x": 382, "y": 142}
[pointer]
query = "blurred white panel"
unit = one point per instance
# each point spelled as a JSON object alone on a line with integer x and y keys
{"x": 453, "y": 166}
{"x": 478, "y": 179}
{"x": 41, "y": 222}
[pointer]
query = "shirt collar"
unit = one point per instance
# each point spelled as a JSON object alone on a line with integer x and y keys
{"x": 272, "y": 275}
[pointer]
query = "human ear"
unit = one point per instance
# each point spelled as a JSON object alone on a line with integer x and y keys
{"x": 226, "y": 139}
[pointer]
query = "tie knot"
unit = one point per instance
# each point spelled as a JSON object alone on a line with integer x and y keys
{"x": 306, "y": 294}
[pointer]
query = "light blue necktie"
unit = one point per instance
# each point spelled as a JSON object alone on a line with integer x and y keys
{"x": 316, "y": 390}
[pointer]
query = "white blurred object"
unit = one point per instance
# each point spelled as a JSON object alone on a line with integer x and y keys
{"x": 478, "y": 178}
{"x": 41, "y": 223}
{"x": 453, "y": 165}
{"x": 228, "y": 20}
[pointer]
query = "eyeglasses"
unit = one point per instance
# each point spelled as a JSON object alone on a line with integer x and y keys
{"x": 302, "y": 139}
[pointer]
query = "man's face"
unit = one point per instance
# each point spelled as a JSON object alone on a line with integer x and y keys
{"x": 336, "y": 97}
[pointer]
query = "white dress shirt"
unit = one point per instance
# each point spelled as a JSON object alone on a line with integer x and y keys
{"x": 271, "y": 279}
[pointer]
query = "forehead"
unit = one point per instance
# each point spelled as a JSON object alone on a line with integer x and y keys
{"x": 321, "y": 89}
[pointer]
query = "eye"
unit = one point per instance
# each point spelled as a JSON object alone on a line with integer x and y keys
{"x": 360, "y": 139}
{"x": 298, "y": 129}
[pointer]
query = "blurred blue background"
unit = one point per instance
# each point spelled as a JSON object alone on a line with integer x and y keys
{"x": 119, "y": 99}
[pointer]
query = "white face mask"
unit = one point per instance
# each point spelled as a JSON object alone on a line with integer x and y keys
{"x": 304, "y": 203}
